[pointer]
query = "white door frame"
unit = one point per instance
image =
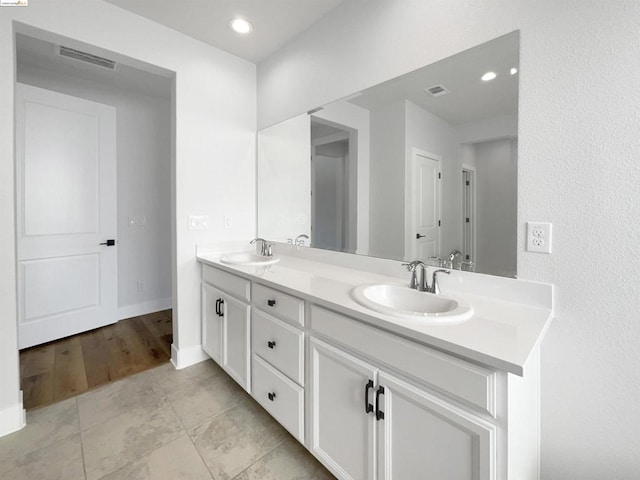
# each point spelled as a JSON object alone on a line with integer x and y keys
{"x": 474, "y": 217}
{"x": 410, "y": 248}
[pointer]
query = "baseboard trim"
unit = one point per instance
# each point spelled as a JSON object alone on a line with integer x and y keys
{"x": 12, "y": 418}
{"x": 129, "y": 311}
{"x": 185, "y": 357}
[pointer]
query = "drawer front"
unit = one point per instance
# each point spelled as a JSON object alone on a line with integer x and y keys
{"x": 279, "y": 396}
{"x": 279, "y": 343}
{"x": 227, "y": 282}
{"x": 279, "y": 304}
{"x": 471, "y": 383}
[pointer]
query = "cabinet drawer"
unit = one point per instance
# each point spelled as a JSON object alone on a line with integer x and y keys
{"x": 279, "y": 343}
{"x": 227, "y": 282}
{"x": 279, "y": 304}
{"x": 279, "y": 396}
{"x": 471, "y": 383}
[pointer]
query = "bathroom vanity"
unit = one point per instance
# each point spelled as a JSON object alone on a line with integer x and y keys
{"x": 374, "y": 395}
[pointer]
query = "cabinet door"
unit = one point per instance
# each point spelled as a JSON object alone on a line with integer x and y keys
{"x": 422, "y": 436}
{"x": 342, "y": 431}
{"x": 211, "y": 322}
{"x": 235, "y": 340}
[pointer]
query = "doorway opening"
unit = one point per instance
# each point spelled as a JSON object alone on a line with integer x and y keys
{"x": 95, "y": 227}
{"x": 333, "y": 186}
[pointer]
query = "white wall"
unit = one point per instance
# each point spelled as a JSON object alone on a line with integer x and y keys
{"x": 215, "y": 122}
{"x": 578, "y": 165}
{"x": 284, "y": 180}
{"x": 143, "y": 131}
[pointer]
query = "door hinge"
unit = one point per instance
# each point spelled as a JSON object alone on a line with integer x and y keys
{"x": 439, "y": 175}
{"x": 466, "y": 257}
{"x": 468, "y": 183}
{"x": 439, "y": 223}
{"x": 467, "y": 219}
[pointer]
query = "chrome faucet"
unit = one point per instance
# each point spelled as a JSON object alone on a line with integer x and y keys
{"x": 299, "y": 241}
{"x": 434, "y": 281}
{"x": 265, "y": 246}
{"x": 415, "y": 283}
{"x": 420, "y": 283}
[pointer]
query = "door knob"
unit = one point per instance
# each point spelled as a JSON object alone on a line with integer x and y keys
{"x": 418, "y": 236}
{"x": 109, "y": 243}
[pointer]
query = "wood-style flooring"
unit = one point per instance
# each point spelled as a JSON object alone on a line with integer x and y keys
{"x": 67, "y": 367}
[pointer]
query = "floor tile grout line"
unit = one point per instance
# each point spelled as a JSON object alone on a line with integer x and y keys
{"x": 146, "y": 454}
{"x": 84, "y": 463}
{"x": 259, "y": 458}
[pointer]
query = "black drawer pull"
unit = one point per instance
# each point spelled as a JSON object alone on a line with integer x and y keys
{"x": 272, "y": 396}
{"x": 219, "y": 303}
{"x": 367, "y": 406}
{"x": 271, "y": 344}
{"x": 379, "y": 413}
{"x": 271, "y": 303}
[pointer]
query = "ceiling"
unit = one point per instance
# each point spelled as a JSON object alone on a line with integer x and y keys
{"x": 42, "y": 54}
{"x": 469, "y": 98}
{"x": 275, "y": 22}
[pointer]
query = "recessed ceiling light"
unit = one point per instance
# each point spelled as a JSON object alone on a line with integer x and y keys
{"x": 240, "y": 25}
{"x": 488, "y": 76}
{"x": 514, "y": 71}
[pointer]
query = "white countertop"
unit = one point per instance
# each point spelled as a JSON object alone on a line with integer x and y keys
{"x": 501, "y": 334}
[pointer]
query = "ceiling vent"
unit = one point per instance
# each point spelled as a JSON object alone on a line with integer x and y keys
{"x": 437, "y": 90}
{"x": 87, "y": 58}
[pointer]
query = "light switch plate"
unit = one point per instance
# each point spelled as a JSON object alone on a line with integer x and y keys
{"x": 539, "y": 237}
{"x": 198, "y": 222}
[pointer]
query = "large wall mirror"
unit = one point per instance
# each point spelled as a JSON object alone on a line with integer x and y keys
{"x": 423, "y": 166}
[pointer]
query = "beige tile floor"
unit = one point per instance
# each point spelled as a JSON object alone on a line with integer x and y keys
{"x": 164, "y": 423}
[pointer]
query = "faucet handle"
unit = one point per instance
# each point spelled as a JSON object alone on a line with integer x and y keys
{"x": 409, "y": 266}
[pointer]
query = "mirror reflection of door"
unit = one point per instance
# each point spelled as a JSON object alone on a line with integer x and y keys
{"x": 329, "y": 186}
{"x": 426, "y": 177}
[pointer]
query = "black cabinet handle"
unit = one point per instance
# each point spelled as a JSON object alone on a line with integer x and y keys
{"x": 219, "y": 304}
{"x": 271, "y": 303}
{"x": 379, "y": 413}
{"x": 367, "y": 406}
{"x": 272, "y": 396}
{"x": 271, "y": 344}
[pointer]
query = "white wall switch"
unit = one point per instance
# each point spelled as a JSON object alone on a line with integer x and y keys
{"x": 198, "y": 222}
{"x": 539, "y": 237}
{"x": 226, "y": 221}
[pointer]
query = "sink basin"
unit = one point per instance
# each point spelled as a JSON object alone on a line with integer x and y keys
{"x": 402, "y": 301}
{"x": 246, "y": 258}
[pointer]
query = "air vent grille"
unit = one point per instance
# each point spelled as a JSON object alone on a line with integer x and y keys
{"x": 437, "y": 90}
{"x": 87, "y": 58}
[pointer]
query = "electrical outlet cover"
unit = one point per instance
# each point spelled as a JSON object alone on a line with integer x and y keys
{"x": 539, "y": 237}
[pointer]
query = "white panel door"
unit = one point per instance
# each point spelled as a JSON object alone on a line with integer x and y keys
{"x": 212, "y": 322}
{"x": 66, "y": 187}
{"x": 235, "y": 340}
{"x": 342, "y": 427}
{"x": 426, "y": 201}
{"x": 422, "y": 436}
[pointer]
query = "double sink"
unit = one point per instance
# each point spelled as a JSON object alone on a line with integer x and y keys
{"x": 387, "y": 298}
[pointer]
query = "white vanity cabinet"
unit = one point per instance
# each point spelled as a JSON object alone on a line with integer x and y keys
{"x": 225, "y": 323}
{"x": 278, "y": 356}
{"x": 367, "y": 423}
{"x": 369, "y": 403}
